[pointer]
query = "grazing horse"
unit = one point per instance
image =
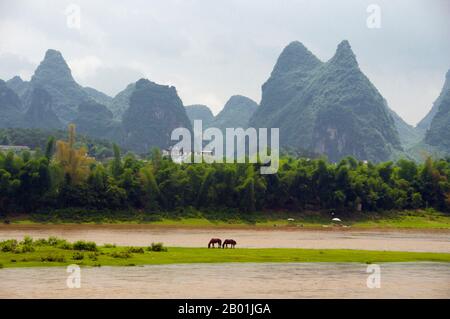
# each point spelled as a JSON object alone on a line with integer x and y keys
{"x": 214, "y": 241}
{"x": 227, "y": 242}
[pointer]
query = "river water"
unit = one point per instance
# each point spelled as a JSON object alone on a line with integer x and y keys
{"x": 232, "y": 280}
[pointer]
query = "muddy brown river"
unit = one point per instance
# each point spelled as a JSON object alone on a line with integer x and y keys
{"x": 246, "y": 280}
{"x": 142, "y": 235}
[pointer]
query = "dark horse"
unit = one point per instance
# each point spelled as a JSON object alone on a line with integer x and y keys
{"x": 214, "y": 241}
{"x": 227, "y": 242}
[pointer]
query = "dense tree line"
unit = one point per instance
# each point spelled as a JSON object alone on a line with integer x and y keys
{"x": 64, "y": 176}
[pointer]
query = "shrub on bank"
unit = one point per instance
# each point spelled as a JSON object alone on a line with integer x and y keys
{"x": 27, "y": 240}
{"x": 40, "y": 242}
{"x": 9, "y": 245}
{"x": 136, "y": 250}
{"x": 53, "y": 258}
{"x": 65, "y": 245}
{"x": 13, "y": 246}
{"x": 92, "y": 256}
{"x": 121, "y": 254}
{"x": 54, "y": 242}
{"x": 157, "y": 247}
{"x": 85, "y": 245}
{"x": 24, "y": 249}
{"x": 78, "y": 256}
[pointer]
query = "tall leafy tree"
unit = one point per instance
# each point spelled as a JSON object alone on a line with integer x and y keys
{"x": 75, "y": 162}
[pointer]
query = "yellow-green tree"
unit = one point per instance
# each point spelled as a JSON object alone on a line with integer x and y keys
{"x": 75, "y": 162}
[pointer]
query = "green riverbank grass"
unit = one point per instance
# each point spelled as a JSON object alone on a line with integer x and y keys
{"x": 36, "y": 254}
{"x": 413, "y": 219}
{"x": 428, "y": 219}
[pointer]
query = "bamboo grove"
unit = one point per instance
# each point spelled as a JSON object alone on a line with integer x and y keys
{"x": 65, "y": 177}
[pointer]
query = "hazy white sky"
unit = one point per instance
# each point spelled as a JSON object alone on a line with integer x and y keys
{"x": 212, "y": 49}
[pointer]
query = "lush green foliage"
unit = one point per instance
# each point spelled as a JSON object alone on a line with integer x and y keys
{"x": 34, "y": 183}
{"x": 157, "y": 247}
{"x": 85, "y": 245}
{"x": 44, "y": 255}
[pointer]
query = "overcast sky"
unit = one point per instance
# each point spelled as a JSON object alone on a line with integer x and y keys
{"x": 212, "y": 49}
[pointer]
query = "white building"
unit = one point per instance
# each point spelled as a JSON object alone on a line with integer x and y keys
{"x": 179, "y": 156}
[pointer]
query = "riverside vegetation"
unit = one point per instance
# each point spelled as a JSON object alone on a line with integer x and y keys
{"x": 66, "y": 180}
{"x": 58, "y": 252}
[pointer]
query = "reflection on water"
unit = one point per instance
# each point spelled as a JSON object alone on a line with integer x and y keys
{"x": 244, "y": 280}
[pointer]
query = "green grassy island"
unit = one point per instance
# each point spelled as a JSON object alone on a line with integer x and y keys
{"x": 58, "y": 252}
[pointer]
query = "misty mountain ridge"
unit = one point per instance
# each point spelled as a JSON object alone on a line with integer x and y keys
{"x": 154, "y": 112}
{"x": 200, "y": 112}
{"x": 425, "y": 123}
{"x": 54, "y": 75}
{"x": 236, "y": 112}
{"x": 40, "y": 113}
{"x": 10, "y": 107}
{"x": 52, "y": 99}
{"x": 330, "y": 108}
{"x": 438, "y": 134}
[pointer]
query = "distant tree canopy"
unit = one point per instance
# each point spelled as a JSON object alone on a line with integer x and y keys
{"x": 38, "y": 139}
{"x": 66, "y": 177}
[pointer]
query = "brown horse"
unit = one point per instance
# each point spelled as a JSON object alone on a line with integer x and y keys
{"x": 227, "y": 242}
{"x": 214, "y": 241}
